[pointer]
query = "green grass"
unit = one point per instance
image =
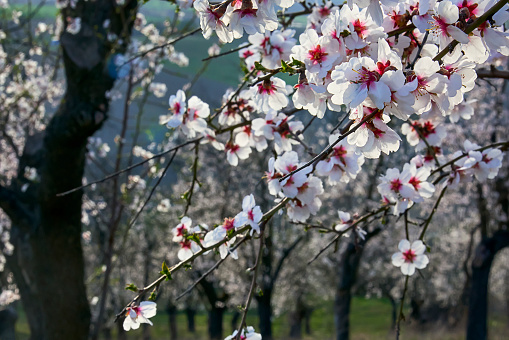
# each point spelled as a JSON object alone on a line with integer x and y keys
{"x": 370, "y": 320}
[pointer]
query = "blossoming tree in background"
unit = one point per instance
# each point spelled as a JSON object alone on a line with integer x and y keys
{"x": 393, "y": 78}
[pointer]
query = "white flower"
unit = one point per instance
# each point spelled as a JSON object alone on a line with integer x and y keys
{"x": 410, "y": 257}
{"x": 270, "y": 94}
{"x": 247, "y": 334}
{"x": 139, "y": 314}
{"x": 251, "y": 212}
{"x": 182, "y": 229}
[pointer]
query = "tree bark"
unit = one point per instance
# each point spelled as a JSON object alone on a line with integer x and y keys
{"x": 295, "y": 319}
{"x": 190, "y": 313}
{"x": 52, "y": 283}
{"x": 477, "y": 325}
{"x": 172, "y": 320}
{"x": 8, "y": 317}
{"x": 216, "y": 323}
{"x": 265, "y": 313}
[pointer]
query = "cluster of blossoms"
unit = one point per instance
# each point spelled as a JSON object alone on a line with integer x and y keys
{"x": 483, "y": 164}
{"x": 405, "y": 188}
{"x": 376, "y": 59}
{"x": 193, "y": 239}
{"x": 302, "y": 188}
{"x": 230, "y": 18}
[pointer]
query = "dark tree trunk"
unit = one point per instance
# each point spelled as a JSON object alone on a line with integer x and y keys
{"x": 172, "y": 320}
{"x": 235, "y": 321}
{"x": 190, "y": 314}
{"x": 121, "y": 334}
{"x": 107, "y": 333}
{"x": 347, "y": 276}
{"x": 307, "y": 318}
{"x": 216, "y": 323}
{"x": 52, "y": 283}
{"x": 295, "y": 319}
{"x": 217, "y": 299}
{"x": 477, "y": 328}
{"x": 394, "y": 309}
{"x": 265, "y": 314}
{"x": 8, "y": 318}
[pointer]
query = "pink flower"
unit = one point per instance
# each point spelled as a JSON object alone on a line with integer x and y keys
{"x": 139, "y": 314}
{"x": 410, "y": 257}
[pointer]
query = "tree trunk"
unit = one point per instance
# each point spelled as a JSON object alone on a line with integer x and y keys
{"x": 8, "y": 318}
{"x": 190, "y": 314}
{"x": 52, "y": 284}
{"x": 121, "y": 334}
{"x": 216, "y": 323}
{"x": 477, "y": 327}
{"x": 295, "y": 319}
{"x": 342, "y": 302}
{"x": 172, "y": 320}
{"x": 265, "y": 314}
{"x": 307, "y": 318}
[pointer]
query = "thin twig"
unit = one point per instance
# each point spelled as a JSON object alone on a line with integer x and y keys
{"x": 435, "y": 207}
{"x": 253, "y": 281}
{"x": 192, "y": 141}
{"x": 211, "y": 269}
{"x": 233, "y": 50}
{"x": 171, "y": 42}
{"x": 153, "y": 189}
{"x": 141, "y": 292}
{"x": 326, "y": 151}
{"x": 401, "y": 315}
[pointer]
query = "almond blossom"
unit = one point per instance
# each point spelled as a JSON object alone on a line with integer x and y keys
{"x": 251, "y": 213}
{"x": 343, "y": 164}
{"x": 137, "y": 315}
{"x": 410, "y": 257}
{"x": 246, "y": 334}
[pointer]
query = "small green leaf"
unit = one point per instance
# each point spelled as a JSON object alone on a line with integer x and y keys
{"x": 260, "y": 292}
{"x": 260, "y": 67}
{"x": 131, "y": 287}
{"x": 166, "y": 271}
{"x": 296, "y": 63}
{"x": 187, "y": 267}
{"x": 152, "y": 296}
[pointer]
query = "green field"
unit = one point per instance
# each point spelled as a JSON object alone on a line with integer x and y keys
{"x": 370, "y": 319}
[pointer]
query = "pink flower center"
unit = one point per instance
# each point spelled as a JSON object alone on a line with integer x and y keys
{"x": 229, "y": 224}
{"x": 409, "y": 256}
{"x": 396, "y": 185}
{"x": 366, "y": 77}
{"x": 185, "y": 244}
{"x": 181, "y": 230}
{"x": 250, "y": 215}
{"x": 317, "y": 55}
{"x": 360, "y": 28}
{"x": 266, "y": 87}
{"x": 416, "y": 183}
{"x": 340, "y": 153}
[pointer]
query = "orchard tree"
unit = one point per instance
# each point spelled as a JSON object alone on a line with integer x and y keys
{"x": 379, "y": 70}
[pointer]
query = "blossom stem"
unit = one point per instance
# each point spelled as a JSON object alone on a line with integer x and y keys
{"x": 435, "y": 207}
{"x": 401, "y": 315}
{"x": 326, "y": 151}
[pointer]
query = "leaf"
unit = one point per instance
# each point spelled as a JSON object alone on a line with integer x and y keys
{"x": 152, "y": 296}
{"x": 260, "y": 67}
{"x": 296, "y": 63}
{"x": 131, "y": 287}
{"x": 166, "y": 271}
